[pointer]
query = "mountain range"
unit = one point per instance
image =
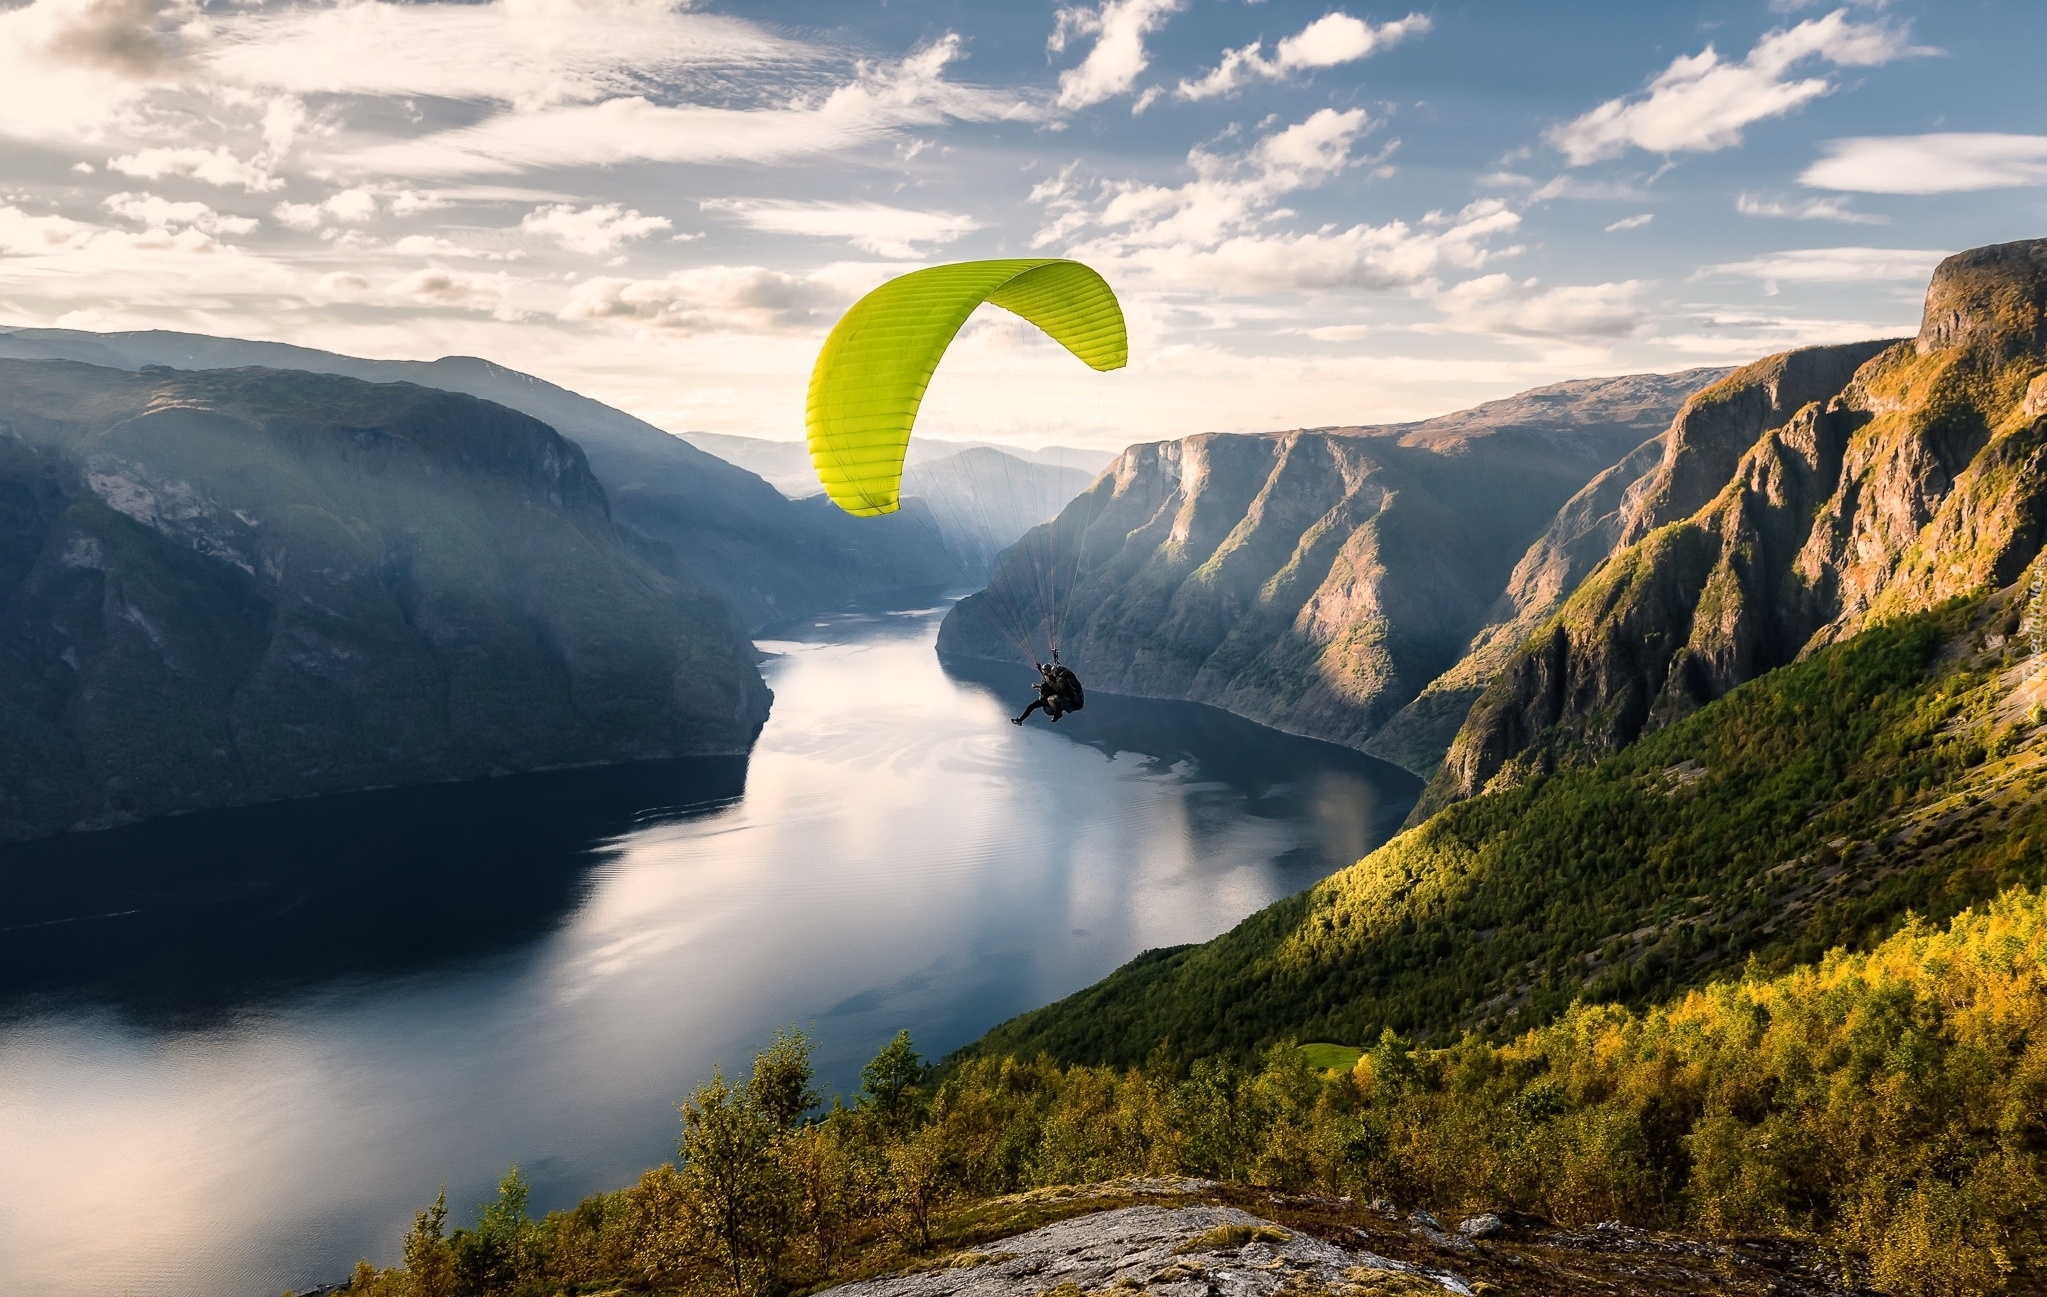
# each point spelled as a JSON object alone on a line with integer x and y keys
{"x": 694, "y": 516}
{"x": 1315, "y": 580}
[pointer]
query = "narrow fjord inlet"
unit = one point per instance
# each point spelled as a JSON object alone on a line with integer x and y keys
{"x": 247, "y": 1081}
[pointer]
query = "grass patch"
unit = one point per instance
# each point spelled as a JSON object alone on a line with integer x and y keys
{"x": 1224, "y": 1237}
{"x": 1371, "y": 1281}
{"x": 1325, "y": 1057}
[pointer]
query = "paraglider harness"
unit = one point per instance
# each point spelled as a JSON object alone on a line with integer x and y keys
{"x": 1059, "y": 692}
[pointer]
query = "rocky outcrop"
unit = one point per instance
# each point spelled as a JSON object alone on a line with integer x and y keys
{"x": 243, "y": 585}
{"x": 1707, "y": 440}
{"x": 1185, "y": 1240}
{"x": 1194, "y": 1251}
{"x": 1311, "y": 580}
{"x": 1922, "y": 479}
{"x": 1667, "y": 477}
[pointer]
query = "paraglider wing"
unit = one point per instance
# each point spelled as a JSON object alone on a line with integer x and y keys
{"x": 871, "y": 375}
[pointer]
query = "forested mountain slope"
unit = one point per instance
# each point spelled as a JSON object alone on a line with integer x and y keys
{"x": 1312, "y": 580}
{"x": 1922, "y": 479}
{"x": 705, "y": 521}
{"x": 1900, "y": 770}
{"x": 239, "y": 585}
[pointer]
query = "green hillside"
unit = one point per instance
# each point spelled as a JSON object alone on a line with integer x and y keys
{"x": 1813, "y": 807}
{"x": 1875, "y": 1117}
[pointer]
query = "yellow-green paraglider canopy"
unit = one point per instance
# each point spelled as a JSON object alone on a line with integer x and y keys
{"x": 871, "y": 375}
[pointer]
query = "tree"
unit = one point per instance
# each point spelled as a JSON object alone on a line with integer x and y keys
{"x": 888, "y": 1084}
{"x": 828, "y": 1180}
{"x": 919, "y": 1176}
{"x": 781, "y": 1084}
{"x": 429, "y": 1263}
{"x": 492, "y": 1257}
{"x": 745, "y": 1196}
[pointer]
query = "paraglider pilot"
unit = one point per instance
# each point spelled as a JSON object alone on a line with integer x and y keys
{"x": 1059, "y": 692}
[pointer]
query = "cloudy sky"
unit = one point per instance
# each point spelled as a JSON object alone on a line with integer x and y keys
{"x": 1314, "y": 214}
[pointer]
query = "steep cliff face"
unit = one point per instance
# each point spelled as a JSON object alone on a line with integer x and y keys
{"x": 700, "y": 519}
{"x": 1666, "y": 477}
{"x": 1312, "y": 580}
{"x": 1921, "y": 480}
{"x": 242, "y": 585}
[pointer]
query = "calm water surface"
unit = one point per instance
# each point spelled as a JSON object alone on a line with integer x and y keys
{"x": 238, "y": 1050}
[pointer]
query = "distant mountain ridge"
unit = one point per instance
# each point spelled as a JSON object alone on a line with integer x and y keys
{"x": 228, "y": 586}
{"x": 785, "y": 465}
{"x": 979, "y": 498}
{"x": 1314, "y": 580}
{"x": 702, "y": 518}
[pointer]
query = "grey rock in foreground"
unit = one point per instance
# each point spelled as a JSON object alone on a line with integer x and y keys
{"x": 1196, "y": 1251}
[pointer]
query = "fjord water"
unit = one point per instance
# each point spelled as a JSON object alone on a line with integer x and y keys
{"x": 239, "y": 1049}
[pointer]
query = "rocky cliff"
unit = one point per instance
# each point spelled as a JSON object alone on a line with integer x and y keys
{"x": 1312, "y": 580}
{"x": 242, "y": 585}
{"x": 1782, "y": 517}
{"x": 1666, "y": 477}
{"x": 699, "y": 518}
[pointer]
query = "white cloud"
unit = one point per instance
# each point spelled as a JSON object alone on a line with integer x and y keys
{"x": 409, "y": 202}
{"x": 1499, "y": 304}
{"x": 1742, "y": 337}
{"x": 873, "y": 227}
{"x": 215, "y": 166}
{"x": 1118, "y": 56}
{"x": 1214, "y": 231}
{"x": 23, "y": 235}
{"x": 1338, "y": 332}
{"x": 1810, "y": 209}
{"x": 352, "y": 206}
{"x": 529, "y": 53}
{"x": 632, "y": 128}
{"x": 71, "y": 69}
{"x": 1834, "y": 265}
{"x": 1330, "y": 40}
{"x": 596, "y": 230}
{"x": 299, "y": 216}
{"x": 1702, "y": 103}
{"x": 1631, "y": 223}
{"x": 710, "y": 299}
{"x": 459, "y": 290}
{"x": 343, "y": 283}
{"x": 1371, "y": 257}
{"x": 1952, "y": 162}
{"x": 161, "y": 213}
{"x": 357, "y": 205}
{"x": 78, "y": 251}
{"x": 1229, "y": 193}
{"x": 433, "y": 245}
